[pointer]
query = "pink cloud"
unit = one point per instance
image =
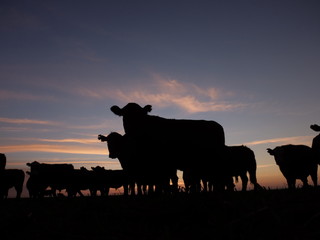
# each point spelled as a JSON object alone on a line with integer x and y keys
{"x": 54, "y": 149}
{"x": 306, "y": 140}
{"x": 70, "y": 140}
{"x": 164, "y": 92}
{"x": 6, "y": 94}
{"x": 27, "y": 121}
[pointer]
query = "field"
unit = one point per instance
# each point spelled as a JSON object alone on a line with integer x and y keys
{"x": 269, "y": 214}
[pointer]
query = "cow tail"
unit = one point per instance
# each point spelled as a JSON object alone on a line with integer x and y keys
{"x": 253, "y": 169}
{"x": 237, "y": 179}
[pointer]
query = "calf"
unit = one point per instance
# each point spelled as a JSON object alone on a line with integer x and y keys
{"x": 55, "y": 176}
{"x": 11, "y": 178}
{"x": 241, "y": 161}
{"x": 82, "y": 179}
{"x": 135, "y": 161}
{"x": 296, "y": 162}
{"x": 107, "y": 179}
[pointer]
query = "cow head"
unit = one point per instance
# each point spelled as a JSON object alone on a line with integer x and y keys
{"x": 34, "y": 167}
{"x": 131, "y": 109}
{"x": 277, "y": 153}
{"x": 102, "y": 138}
{"x": 35, "y": 163}
{"x": 114, "y": 142}
{"x": 133, "y": 116}
{"x": 84, "y": 169}
{"x": 270, "y": 151}
{"x": 98, "y": 169}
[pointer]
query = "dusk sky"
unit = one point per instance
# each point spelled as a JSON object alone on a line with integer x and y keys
{"x": 253, "y": 66}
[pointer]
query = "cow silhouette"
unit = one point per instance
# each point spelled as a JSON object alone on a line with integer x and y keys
{"x": 3, "y": 161}
{"x": 296, "y": 162}
{"x": 107, "y": 178}
{"x": 135, "y": 162}
{"x": 82, "y": 179}
{"x": 181, "y": 141}
{"x": 316, "y": 140}
{"x": 10, "y": 178}
{"x": 241, "y": 160}
{"x": 44, "y": 175}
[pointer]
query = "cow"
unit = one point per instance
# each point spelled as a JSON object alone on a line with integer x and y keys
{"x": 3, "y": 161}
{"x": 11, "y": 178}
{"x": 241, "y": 160}
{"x": 119, "y": 149}
{"x": 36, "y": 188}
{"x": 296, "y": 162}
{"x": 176, "y": 142}
{"x": 136, "y": 165}
{"x": 316, "y": 140}
{"x": 107, "y": 179}
{"x": 82, "y": 179}
{"x": 44, "y": 175}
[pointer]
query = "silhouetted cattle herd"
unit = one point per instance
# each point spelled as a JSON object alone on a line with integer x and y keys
{"x": 151, "y": 151}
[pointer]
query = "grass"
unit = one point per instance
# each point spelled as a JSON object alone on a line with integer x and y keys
{"x": 270, "y": 214}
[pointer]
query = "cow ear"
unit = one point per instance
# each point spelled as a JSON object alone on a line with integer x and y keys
{"x": 116, "y": 110}
{"x": 147, "y": 108}
{"x": 270, "y": 151}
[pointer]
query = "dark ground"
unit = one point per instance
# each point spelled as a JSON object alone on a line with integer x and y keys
{"x": 270, "y": 214}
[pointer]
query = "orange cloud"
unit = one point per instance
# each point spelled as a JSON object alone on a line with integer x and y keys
{"x": 165, "y": 92}
{"x": 6, "y": 94}
{"x": 265, "y": 165}
{"x": 27, "y": 121}
{"x": 55, "y": 149}
{"x": 70, "y": 140}
{"x": 306, "y": 140}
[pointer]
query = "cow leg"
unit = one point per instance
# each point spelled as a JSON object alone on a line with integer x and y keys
{"x": 150, "y": 189}
{"x": 314, "y": 176}
{"x": 19, "y": 191}
{"x": 6, "y": 193}
{"x": 305, "y": 182}
{"x": 210, "y": 186}
{"x": 132, "y": 189}
{"x": 229, "y": 184}
{"x": 125, "y": 190}
{"x": 106, "y": 192}
{"x": 54, "y": 191}
{"x": 80, "y": 193}
{"x": 139, "y": 189}
{"x": 205, "y": 185}
{"x": 174, "y": 181}
{"x": 3, "y": 192}
{"x": 291, "y": 183}
{"x": 244, "y": 180}
{"x": 93, "y": 191}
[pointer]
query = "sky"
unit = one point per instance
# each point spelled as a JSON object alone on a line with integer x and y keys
{"x": 252, "y": 66}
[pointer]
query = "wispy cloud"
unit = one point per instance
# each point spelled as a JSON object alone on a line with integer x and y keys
{"x": 306, "y": 140}
{"x": 23, "y": 124}
{"x": 27, "y": 121}
{"x": 99, "y": 163}
{"x": 18, "y": 95}
{"x": 70, "y": 140}
{"x": 265, "y": 165}
{"x": 54, "y": 149}
{"x": 164, "y": 92}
